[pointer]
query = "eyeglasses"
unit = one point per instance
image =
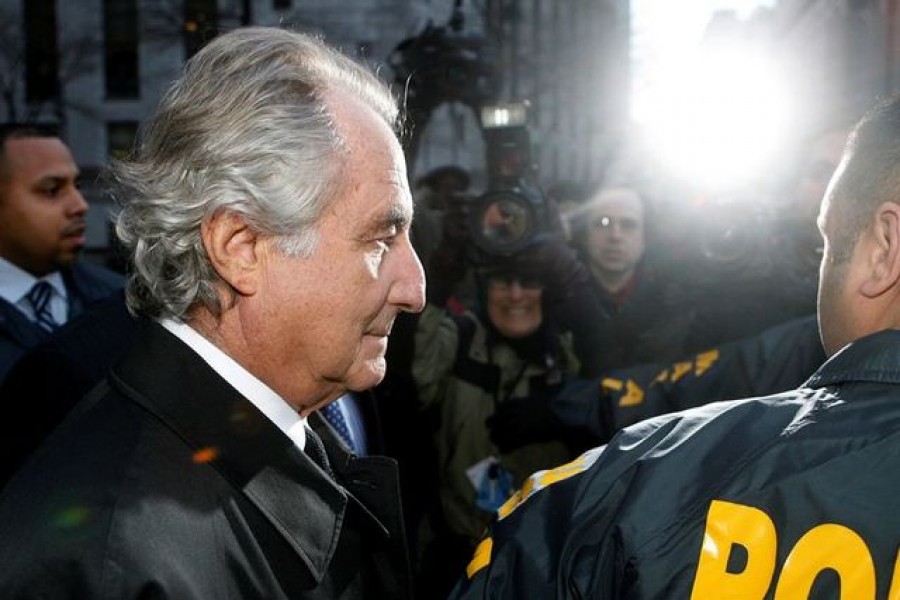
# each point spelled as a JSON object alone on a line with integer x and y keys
{"x": 624, "y": 223}
{"x": 504, "y": 282}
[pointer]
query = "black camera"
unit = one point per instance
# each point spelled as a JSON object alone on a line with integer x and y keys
{"x": 512, "y": 213}
{"x": 444, "y": 64}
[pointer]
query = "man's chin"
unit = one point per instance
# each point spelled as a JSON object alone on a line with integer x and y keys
{"x": 67, "y": 259}
{"x": 370, "y": 374}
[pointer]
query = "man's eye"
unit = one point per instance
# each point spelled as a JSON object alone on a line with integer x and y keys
{"x": 387, "y": 242}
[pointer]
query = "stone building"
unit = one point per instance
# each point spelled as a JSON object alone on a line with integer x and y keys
{"x": 96, "y": 68}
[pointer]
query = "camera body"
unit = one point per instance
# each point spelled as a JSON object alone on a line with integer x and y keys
{"x": 512, "y": 213}
{"x": 443, "y": 64}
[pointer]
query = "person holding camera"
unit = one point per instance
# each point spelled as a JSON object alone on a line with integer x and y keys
{"x": 511, "y": 348}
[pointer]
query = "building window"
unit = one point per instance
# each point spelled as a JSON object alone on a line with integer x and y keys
{"x": 41, "y": 62}
{"x": 120, "y": 137}
{"x": 120, "y": 48}
{"x": 200, "y": 24}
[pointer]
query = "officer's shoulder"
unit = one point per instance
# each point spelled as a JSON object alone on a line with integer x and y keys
{"x": 778, "y": 410}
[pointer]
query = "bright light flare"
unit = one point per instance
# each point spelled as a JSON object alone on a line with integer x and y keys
{"x": 717, "y": 119}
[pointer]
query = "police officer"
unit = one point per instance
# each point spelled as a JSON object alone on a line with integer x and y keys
{"x": 787, "y": 496}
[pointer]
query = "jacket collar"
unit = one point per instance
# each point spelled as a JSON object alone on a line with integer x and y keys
{"x": 227, "y": 431}
{"x": 874, "y": 358}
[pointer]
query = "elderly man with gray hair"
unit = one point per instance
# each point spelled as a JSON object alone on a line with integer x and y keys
{"x": 266, "y": 210}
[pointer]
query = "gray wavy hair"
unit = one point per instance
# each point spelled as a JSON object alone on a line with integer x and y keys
{"x": 245, "y": 129}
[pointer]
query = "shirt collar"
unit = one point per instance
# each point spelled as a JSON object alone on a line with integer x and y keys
{"x": 15, "y": 282}
{"x": 273, "y": 406}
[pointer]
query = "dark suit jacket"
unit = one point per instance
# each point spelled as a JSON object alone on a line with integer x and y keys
{"x": 50, "y": 378}
{"x": 166, "y": 483}
{"x": 85, "y": 283}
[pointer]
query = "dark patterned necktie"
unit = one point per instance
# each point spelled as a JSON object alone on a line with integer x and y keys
{"x": 39, "y": 298}
{"x": 335, "y": 416}
{"x": 315, "y": 450}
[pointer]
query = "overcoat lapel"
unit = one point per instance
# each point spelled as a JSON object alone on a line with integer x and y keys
{"x": 301, "y": 503}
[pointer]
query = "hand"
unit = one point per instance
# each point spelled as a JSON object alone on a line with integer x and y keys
{"x": 564, "y": 271}
{"x": 521, "y": 421}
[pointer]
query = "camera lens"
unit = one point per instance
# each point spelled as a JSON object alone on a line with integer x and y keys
{"x": 504, "y": 223}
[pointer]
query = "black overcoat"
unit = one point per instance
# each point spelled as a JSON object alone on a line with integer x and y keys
{"x": 166, "y": 483}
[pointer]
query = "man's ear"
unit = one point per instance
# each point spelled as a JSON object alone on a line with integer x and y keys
{"x": 234, "y": 250}
{"x": 884, "y": 256}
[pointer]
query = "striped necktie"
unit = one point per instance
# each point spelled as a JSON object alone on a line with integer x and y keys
{"x": 39, "y": 298}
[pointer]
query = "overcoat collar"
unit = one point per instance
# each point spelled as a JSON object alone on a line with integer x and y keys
{"x": 305, "y": 506}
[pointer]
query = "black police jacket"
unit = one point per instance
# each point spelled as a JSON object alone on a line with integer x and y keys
{"x": 776, "y": 360}
{"x": 786, "y": 496}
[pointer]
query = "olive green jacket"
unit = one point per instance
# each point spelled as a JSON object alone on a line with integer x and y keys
{"x": 462, "y": 372}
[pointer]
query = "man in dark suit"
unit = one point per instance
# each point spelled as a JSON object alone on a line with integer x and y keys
{"x": 50, "y": 378}
{"x": 266, "y": 213}
{"x": 42, "y": 284}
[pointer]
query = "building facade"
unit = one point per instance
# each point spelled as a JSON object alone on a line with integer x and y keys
{"x": 96, "y": 68}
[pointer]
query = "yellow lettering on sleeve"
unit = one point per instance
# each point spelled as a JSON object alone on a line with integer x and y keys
{"x": 704, "y": 361}
{"x": 681, "y": 369}
{"x": 634, "y": 395}
{"x": 482, "y": 557}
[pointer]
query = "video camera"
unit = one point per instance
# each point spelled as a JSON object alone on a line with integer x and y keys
{"x": 513, "y": 212}
{"x": 445, "y": 64}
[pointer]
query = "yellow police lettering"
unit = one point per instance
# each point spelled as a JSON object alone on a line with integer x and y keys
{"x": 704, "y": 361}
{"x": 634, "y": 395}
{"x": 611, "y": 383}
{"x": 828, "y": 546}
{"x": 729, "y": 525}
{"x": 681, "y": 369}
{"x": 661, "y": 377}
{"x": 894, "y": 593}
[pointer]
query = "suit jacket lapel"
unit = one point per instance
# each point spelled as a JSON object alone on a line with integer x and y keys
{"x": 18, "y": 328}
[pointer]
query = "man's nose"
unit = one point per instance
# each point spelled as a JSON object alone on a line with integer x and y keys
{"x": 77, "y": 204}
{"x": 409, "y": 288}
{"x": 616, "y": 231}
{"x": 515, "y": 289}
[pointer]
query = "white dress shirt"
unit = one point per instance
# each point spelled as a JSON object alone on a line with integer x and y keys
{"x": 262, "y": 396}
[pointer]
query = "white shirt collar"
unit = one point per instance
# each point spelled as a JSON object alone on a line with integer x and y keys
{"x": 262, "y": 396}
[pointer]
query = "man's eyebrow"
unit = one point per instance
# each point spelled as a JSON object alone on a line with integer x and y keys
{"x": 396, "y": 216}
{"x": 52, "y": 180}
{"x": 59, "y": 177}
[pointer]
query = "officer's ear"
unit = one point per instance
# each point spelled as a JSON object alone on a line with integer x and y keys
{"x": 234, "y": 250}
{"x": 884, "y": 252}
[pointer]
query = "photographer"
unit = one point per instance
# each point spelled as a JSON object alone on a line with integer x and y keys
{"x": 511, "y": 348}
